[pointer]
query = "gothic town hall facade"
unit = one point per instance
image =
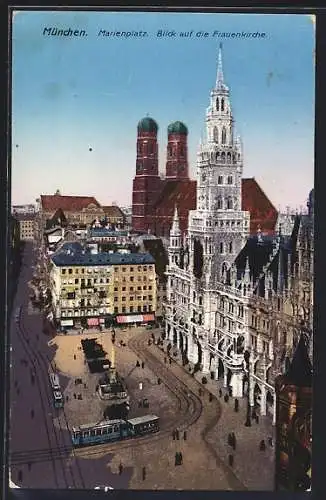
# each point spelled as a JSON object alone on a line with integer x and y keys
{"x": 237, "y": 303}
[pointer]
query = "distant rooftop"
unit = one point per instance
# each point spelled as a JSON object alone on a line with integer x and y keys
{"x": 73, "y": 256}
{"x": 103, "y": 231}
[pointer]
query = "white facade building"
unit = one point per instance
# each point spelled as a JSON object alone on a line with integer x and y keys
{"x": 222, "y": 285}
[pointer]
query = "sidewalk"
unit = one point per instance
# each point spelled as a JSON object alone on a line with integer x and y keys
{"x": 254, "y": 468}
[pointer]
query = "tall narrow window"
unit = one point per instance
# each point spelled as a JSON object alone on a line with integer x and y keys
{"x": 229, "y": 204}
{"x": 217, "y": 104}
{"x": 223, "y": 135}
{"x": 230, "y": 247}
{"x": 215, "y": 134}
{"x": 221, "y": 247}
{"x": 230, "y": 179}
{"x": 220, "y": 179}
{"x": 219, "y": 203}
{"x": 222, "y": 105}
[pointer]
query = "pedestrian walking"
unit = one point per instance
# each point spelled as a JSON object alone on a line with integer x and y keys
{"x": 75, "y": 397}
{"x": 67, "y": 398}
{"x": 120, "y": 469}
{"x": 165, "y": 360}
{"x": 270, "y": 441}
{"x": 257, "y": 419}
{"x": 144, "y": 473}
{"x": 220, "y": 393}
{"x": 173, "y": 435}
{"x": 184, "y": 435}
{"x": 74, "y": 356}
{"x": 143, "y": 365}
{"x": 85, "y": 386}
{"x": 262, "y": 445}
{"x": 180, "y": 457}
{"x": 177, "y": 434}
{"x": 234, "y": 442}
{"x": 231, "y": 460}
{"x": 236, "y": 405}
{"x": 137, "y": 364}
{"x": 159, "y": 381}
{"x": 170, "y": 360}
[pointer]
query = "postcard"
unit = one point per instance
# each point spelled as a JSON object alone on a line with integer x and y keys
{"x": 162, "y": 209}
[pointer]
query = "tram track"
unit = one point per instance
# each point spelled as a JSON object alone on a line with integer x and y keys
{"x": 189, "y": 410}
{"x": 40, "y": 366}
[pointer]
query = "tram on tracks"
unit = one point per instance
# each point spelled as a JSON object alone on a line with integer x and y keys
{"x": 114, "y": 430}
{"x": 56, "y": 390}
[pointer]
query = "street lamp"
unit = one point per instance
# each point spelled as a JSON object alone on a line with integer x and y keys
{"x": 247, "y": 361}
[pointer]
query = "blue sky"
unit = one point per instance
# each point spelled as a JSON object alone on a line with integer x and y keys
{"x": 72, "y": 94}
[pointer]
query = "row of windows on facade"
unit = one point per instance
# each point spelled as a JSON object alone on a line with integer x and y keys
{"x": 220, "y": 157}
{"x": 117, "y": 310}
{"x": 102, "y": 282}
{"x": 94, "y": 281}
{"x": 87, "y": 302}
{"x": 116, "y": 269}
{"x": 221, "y": 223}
{"x": 220, "y": 104}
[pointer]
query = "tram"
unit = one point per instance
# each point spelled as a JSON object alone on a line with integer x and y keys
{"x": 54, "y": 381}
{"x": 57, "y": 399}
{"x": 114, "y": 430}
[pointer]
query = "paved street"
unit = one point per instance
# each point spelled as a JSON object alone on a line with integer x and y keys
{"x": 33, "y": 432}
{"x": 37, "y": 428}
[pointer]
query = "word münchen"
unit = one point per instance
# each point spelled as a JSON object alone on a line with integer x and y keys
{"x": 63, "y": 32}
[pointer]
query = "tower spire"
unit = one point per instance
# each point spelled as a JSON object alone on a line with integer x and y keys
{"x": 220, "y": 76}
{"x": 176, "y": 223}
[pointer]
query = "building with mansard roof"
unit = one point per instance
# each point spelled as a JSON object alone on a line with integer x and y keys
{"x": 238, "y": 296}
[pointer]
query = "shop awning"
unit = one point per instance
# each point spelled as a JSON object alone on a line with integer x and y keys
{"x": 67, "y": 322}
{"x": 148, "y": 317}
{"x": 130, "y": 319}
{"x": 92, "y": 321}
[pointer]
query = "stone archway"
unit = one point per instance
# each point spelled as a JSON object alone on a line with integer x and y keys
{"x": 181, "y": 342}
{"x": 245, "y": 386}
{"x": 269, "y": 402}
{"x": 175, "y": 336}
{"x": 257, "y": 395}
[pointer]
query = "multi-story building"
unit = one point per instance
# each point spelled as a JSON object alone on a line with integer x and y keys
{"x": 96, "y": 289}
{"x": 77, "y": 209}
{"x": 24, "y": 209}
{"x": 230, "y": 305}
{"x": 27, "y": 226}
{"x": 114, "y": 215}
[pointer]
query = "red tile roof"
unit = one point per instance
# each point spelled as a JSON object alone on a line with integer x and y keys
{"x": 51, "y": 203}
{"x": 183, "y": 194}
{"x": 262, "y": 211}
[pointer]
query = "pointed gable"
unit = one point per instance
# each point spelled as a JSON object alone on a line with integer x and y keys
{"x": 300, "y": 370}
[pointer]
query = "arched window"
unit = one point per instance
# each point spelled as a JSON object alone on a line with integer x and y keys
{"x": 230, "y": 247}
{"x": 217, "y": 104}
{"x": 215, "y": 134}
{"x": 221, "y": 247}
{"x": 229, "y": 158}
{"x": 229, "y": 204}
{"x": 223, "y": 135}
{"x": 222, "y": 105}
{"x": 223, "y": 157}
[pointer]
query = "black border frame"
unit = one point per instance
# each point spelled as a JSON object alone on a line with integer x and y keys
{"x": 319, "y": 287}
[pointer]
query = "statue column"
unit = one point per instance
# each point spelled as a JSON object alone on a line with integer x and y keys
{"x": 205, "y": 360}
{"x": 263, "y": 401}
